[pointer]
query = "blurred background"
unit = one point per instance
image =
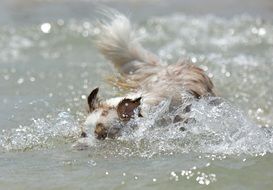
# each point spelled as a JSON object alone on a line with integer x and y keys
{"x": 35, "y": 11}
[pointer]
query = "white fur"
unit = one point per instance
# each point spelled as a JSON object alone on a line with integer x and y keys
{"x": 113, "y": 102}
{"x": 92, "y": 118}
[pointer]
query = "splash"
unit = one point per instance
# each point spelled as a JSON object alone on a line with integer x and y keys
{"x": 217, "y": 128}
{"x": 43, "y": 133}
{"x": 236, "y": 52}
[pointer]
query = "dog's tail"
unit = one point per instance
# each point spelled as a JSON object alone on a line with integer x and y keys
{"x": 119, "y": 43}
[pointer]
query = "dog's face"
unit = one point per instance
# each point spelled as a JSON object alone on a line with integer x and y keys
{"x": 110, "y": 116}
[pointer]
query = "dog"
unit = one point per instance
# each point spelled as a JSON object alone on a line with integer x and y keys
{"x": 147, "y": 79}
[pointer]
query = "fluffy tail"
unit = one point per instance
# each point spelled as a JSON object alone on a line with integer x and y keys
{"x": 119, "y": 43}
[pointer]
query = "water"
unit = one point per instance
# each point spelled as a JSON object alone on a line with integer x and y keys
{"x": 48, "y": 64}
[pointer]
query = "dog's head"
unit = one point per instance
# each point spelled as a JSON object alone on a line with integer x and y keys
{"x": 111, "y": 115}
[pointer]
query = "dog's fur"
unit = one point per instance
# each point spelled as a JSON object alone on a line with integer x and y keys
{"x": 148, "y": 79}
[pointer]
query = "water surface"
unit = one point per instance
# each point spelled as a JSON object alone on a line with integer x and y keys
{"x": 48, "y": 64}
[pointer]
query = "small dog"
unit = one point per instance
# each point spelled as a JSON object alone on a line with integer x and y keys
{"x": 147, "y": 78}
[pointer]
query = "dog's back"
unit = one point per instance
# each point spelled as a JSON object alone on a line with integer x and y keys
{"x": 143, "y": 71}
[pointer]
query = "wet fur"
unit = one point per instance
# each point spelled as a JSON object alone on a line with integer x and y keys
{"x": 147, "y": 79}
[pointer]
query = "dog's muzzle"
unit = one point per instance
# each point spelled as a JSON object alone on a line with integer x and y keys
{"x": 102, "y": 132}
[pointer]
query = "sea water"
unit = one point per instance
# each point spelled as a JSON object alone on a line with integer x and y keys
{"x": 48, "y": 66}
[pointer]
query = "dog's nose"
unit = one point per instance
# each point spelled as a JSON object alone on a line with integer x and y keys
{"x": 101, "y": 131}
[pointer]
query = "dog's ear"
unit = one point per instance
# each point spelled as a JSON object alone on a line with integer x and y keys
{"x": 126, "y": 108}
{"x": 92, "y": 99}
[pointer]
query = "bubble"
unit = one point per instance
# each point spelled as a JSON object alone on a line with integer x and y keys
{"x": 45, "y": 27}
{"x": 6, "y": 77}
{"x": 86, "y": 25}
{"x": 20, "y": 81}
{"x": 261, "y": 31}
{"x": 32, "y": 79}
{"x": 96, "y": 31}
{"x": 92, "y": 163}
{"x": 85, "y": 33}
{"x": 60, "y": 22}
{"x": 228, "y": 74}
{"x": 194, "y": 60}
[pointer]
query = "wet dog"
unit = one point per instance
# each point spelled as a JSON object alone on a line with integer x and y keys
{"x": 147, "y": 79}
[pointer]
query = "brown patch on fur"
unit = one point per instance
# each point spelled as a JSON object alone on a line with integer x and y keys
{"x": 100, "y": 131}
{"x": 105, "y": 112}
{"x": 126, "y": 108}
{"x": 184, "y": 74}
{"x": 122, "y": 83}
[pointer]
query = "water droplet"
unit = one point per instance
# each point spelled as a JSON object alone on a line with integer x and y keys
{"x": 45, "y": 27}
{"x": 86, "y": 25}
{"x": 259, "y": 110}
{"x": 32, "y": 79}
{"x": 194, "y": 60}
{"x": 173, "y": 173}
{"x": 96, "y": 30}
{"x": 85, "y": 33}
{"x": 227, "y": 74}
{"x": 60, "y": 22}
{"x": 6, "y": 77}
{"x": 20, "y": 80}
{"x": 92, "y": 163}
{"x": 261, "y": 31}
